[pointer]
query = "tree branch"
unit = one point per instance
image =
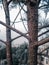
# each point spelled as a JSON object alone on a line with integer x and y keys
{"x": 3, "y": 41}
{"x": 17, "y": 31}
{"x": 43, "y": 26}
{"x": 41, "y": 42}
{"x": 9, "y": 2}
{"x": 44, "y": 55}
{"x": 44, "y": 49}
{"x": 17, "y": 14}
{"x": 17, "y": 37}
{"x": 22, "y": 34}
{"x": 27, "y": 33}
{"x": 43, "y": 33}
{"x": 42, "y": 6}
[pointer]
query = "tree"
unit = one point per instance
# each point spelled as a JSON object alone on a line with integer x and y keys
{"x": 33, "y": 31}
{"x": 8, "y": 34}
{"x": 19, "y": 54}
{"x": 32, "y": 14}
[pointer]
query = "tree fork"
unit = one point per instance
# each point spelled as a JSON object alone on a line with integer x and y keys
{"x": 33, "y": 32}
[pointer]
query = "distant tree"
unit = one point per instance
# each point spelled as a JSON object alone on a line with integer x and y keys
{"x": 19, "y": 54}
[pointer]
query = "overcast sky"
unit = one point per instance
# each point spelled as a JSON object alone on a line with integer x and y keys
{"x": 19, "y": 26}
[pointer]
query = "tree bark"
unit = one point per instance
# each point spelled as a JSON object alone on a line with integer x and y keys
{"x": 8, "y": 33}
{"x": 33, "y": 32}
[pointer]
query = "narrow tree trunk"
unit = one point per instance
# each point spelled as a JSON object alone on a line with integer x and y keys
{"x": 33, "y": 32}
{"x": 8, "y": 34}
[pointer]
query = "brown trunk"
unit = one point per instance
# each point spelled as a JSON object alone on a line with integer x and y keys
{"x": 33, "y": 32}
{"x": 8, "y": 33}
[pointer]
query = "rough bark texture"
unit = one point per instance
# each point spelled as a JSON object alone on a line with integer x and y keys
{"x": 8, "y": 33}
{"x": 33, "y": 32}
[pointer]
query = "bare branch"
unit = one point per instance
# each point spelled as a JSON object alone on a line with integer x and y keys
{"x": 41, "y": 42}
{"x": 22, "y": 8}
{"x": 17, "y": 14}
{"x": 3, "y": 41}
{"x": 43, "y": 33}
{"x": 45, "y": 5}
{"x": 9, "y": 2}
{"x": 27, "y": 33}
{"x": 17, "y": 37}
{"x": 44, "y": 55}
{"x": 17, "y": 31}
{"x": 44, "y": 26}
{"x": 22, "y": 19}
{"x": 22, "y": 34}
{"x": 44, "y": 49}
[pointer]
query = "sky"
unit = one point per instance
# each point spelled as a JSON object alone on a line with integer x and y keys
{"x": 13, "y": 12}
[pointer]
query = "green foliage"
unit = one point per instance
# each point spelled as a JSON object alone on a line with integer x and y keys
{"x": 3, "y": 53}
{"x": 19, "y": 54}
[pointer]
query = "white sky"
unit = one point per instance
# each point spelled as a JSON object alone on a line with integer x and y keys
{"x": 18, "y": 26}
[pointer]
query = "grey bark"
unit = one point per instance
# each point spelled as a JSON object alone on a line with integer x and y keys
{"x": 8, "y": 34}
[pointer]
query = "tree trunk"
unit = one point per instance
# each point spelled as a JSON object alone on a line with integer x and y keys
{"x": 33, "y": 32}
{"x": 8, "y": 34}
